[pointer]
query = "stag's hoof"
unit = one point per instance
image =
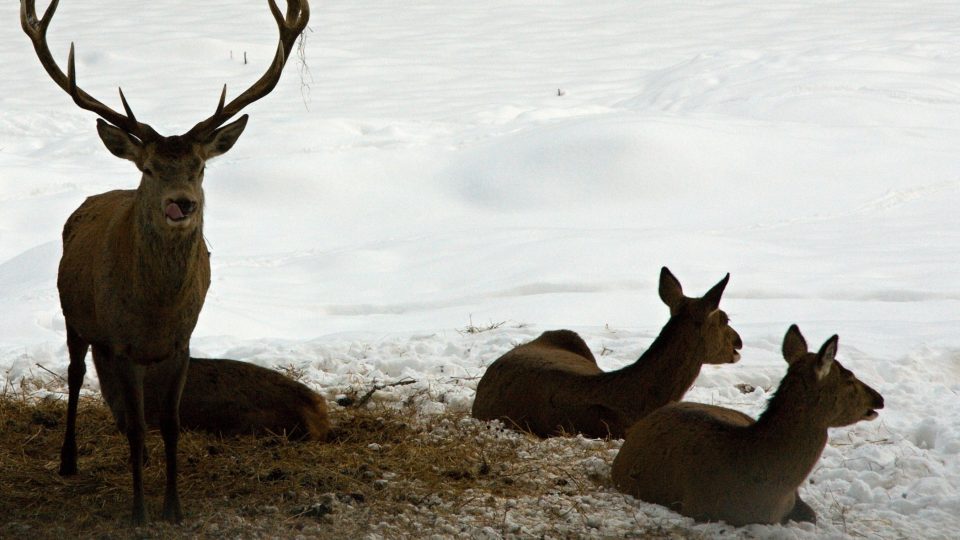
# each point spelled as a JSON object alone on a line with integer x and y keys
{"x": 171, "y": 507}
{"x": 172, "y": 513}
{"x": 68, "y": 469}
{"x": 138, "y": 517}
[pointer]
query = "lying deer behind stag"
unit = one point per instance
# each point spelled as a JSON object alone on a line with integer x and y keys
{"x": 712, "y": 463}
{"x": 552, "y": 385}
{"x": 229, "y": 397}
{"x": 135, "y": 269}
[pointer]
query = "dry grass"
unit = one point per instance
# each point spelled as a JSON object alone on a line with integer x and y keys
{"x": 390, "y": 472}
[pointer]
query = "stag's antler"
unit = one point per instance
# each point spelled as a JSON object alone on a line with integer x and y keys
{"x": 37, "y": 31}
{"x": 291, "y": 25}
{"x": 298, "y": 13}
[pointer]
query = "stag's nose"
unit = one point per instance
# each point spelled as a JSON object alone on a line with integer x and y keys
{"x": 186, "y": 206}
{"x": 179, "y": 209}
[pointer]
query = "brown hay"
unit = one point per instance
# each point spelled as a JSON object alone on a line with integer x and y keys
{"x": 387, "y": 471}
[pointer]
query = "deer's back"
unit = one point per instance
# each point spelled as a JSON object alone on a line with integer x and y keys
{"x": 228, "y": 397}
{"x": 530, "y": 385}
{"x": 696, "y": 459}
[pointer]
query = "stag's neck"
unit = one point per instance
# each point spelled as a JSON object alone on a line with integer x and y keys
{"x": 789, "y": 435}
{"x": 661, "y": 375}
{"x": 168, "y": 263}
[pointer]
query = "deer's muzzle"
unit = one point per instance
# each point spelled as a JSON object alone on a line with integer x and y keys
{"x": 179, "y": 210}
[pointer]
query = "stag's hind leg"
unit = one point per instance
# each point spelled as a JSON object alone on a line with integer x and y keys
{"x": 170, "y": 429}
{"x": 77, "y": 348}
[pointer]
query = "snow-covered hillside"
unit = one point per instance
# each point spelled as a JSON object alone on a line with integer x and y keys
{"x": 430, "y": 165}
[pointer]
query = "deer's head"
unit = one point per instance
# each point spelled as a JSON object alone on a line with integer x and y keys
{"x": 703, "y": 317}
{"x": 170, "y": 189}
{"x": 829, "y": 392}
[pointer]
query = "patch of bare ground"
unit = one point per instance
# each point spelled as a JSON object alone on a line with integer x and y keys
{"x": 389, "y": 472}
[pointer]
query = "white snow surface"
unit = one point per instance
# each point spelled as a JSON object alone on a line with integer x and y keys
{"x": 429, "y": 165}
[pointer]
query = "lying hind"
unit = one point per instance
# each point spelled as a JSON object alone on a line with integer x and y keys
{"x": 712, "y": 463}
{"x": 552, "y": 385}
{"x": 228, "y": 398}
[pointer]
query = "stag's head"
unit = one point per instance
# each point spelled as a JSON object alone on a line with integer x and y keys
{"x": 709, "y": 325}
{"x": 172, "y": 170}
{"x": 170, "y": 189}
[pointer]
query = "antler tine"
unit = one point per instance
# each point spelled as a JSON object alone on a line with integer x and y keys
{"x": 290, "y": 27}
{"x": 126, "y": 106}
{"x": 37, "y": 31}
{"x": 223, "y": 97}
{"x": 277, "y": 15}
{"x": 28, "y": 17}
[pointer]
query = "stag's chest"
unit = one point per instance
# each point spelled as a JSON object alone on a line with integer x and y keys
{"x": 152, "y": 315}
{"x": 151, "y": 336}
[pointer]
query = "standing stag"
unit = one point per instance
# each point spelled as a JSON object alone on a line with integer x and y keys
{"x": 712, "y": 463}
{"x": 552, "y": 385}
{"x": 135, "y": 269}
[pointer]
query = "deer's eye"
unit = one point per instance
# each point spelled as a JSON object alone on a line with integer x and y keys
{"x": 148, "y": 171}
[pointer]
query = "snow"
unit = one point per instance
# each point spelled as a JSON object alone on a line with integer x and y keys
{"x": 417, "y": 172}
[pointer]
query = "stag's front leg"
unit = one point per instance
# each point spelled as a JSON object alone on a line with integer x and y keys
{"x": 131, "y": 384}
{"x": 170, "y": 429}
{"x": 77, "y": 348}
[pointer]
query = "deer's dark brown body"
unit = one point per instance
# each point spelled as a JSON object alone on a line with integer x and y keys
{"x": 135, "y": 269}
{"x": 552, "y": 385}
{"x": 712, "y": 463}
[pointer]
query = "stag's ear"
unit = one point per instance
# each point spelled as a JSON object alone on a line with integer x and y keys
{"x": 670, "y": 290}
{"x": 119, "y": 142}
{"x": 224, "y": 138}
{"x": 794, "y": 346}
{"x": 825, "y": 357}
{"x": 712, "y": 298}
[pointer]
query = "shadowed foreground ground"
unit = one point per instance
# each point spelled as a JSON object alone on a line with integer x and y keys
{"x": 389, "y": 473}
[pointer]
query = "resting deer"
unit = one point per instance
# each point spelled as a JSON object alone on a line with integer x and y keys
{"x": 712, "y": 463}
{"x": 552, "y": 385}
{"x": 135, "y": 269}
{"x": 228, "y": 397}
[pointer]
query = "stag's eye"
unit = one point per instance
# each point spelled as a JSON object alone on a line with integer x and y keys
{"x": 148, "y": 171}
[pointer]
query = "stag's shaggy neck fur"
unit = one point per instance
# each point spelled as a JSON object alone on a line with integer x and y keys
{"x": 166, "y": 259}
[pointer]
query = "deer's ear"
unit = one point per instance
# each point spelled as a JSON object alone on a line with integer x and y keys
{"x": 825, "y": 357}
{"x": 224, "y": 138}
{"x": 670, "y": 290}
{"x": 794, "y": 346}
{"x": 119, "y": 142}
{"x": 712, "y": 298}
